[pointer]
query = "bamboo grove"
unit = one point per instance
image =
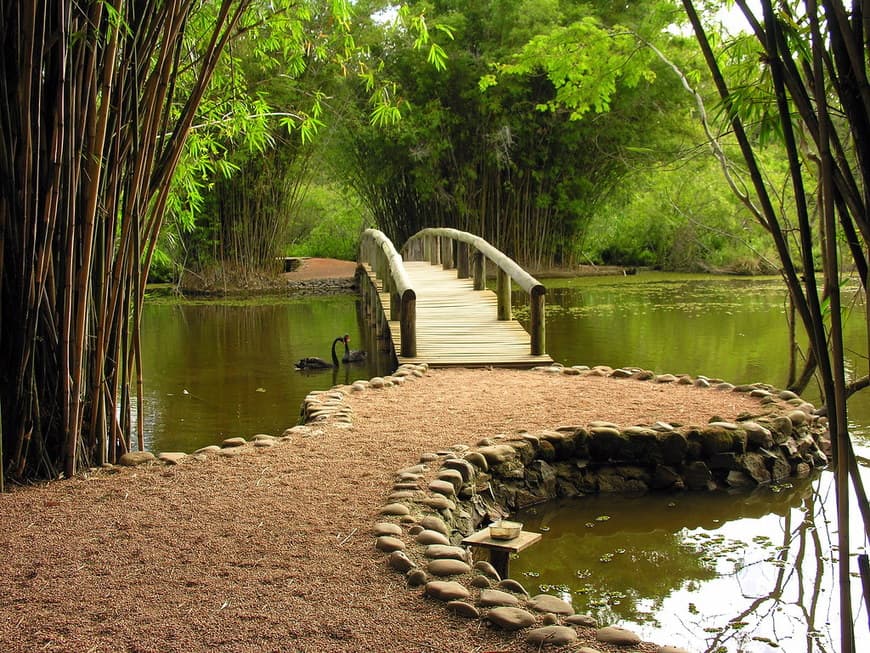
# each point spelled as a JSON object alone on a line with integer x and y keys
{"x": 93, "y": 118}
{"x": 815, "y": 66}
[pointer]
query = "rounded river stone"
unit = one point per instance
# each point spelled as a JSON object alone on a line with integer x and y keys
{"x": 446, "y": 590}
{"x": 497, "y": 454}
{"x": 463, "y": 609}
{"x": 582, "y": 620}
{"x": 431, "y": 537}
{"x": 442, "y": 551}
{"x": 510, "y": 618}
{"x": 133, "y": 458}
{"x": 451, "y": 476}
{"x": 416, "y": 577}
{"x": 171, "y": 457}
{"x": 512, "y": 585}
{"x": 395, "y": 509}
{"x": 387, "y": 528}
{"x": 401, "y": 562}
{"x": 491, "y": 598}
{"x": 442, "y": 487}
{"x": 433, "y": 523}
{"x": 556, "y": 635}
{"x": 547, "y": 603}
{"x": 487, "y": 569}
{"x": 465, "y": 468}
{"x": 448, "y": 567}
{"x": 481, "y": 582}
{"x": 617, "y": 635}
{"x": 404, "y": 494}
{"x": 477, "y": 459}
{"x": 389, "y": 544}
{"x": 439, "y": 502}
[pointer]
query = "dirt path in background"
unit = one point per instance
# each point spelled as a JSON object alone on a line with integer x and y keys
{"x": 322, "y": 268}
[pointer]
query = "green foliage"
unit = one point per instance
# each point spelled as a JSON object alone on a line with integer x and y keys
{"x": 584, "y": 61}
{"x": 572, "y": 103}
{"x": 267, "y": 106}
{"x": 680, "y": 217}
{"x": 329, "y": 224}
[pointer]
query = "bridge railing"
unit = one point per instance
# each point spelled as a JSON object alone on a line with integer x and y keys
{"x": 377, "y": 251}
{"x": 454, "y": 248}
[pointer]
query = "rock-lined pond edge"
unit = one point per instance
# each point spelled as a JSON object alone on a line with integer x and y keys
{"x": 450, "y": 494}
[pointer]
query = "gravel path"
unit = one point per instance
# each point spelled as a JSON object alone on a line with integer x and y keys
{"x": 272, "y": 549}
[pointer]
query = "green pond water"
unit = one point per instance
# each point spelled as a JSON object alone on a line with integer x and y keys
{"x": 222, "y": 369}
{"x": 711, "y": 572}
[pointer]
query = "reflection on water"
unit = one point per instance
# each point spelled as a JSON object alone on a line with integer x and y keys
{"x": 726, "y": 571}
{"x": 215, "y": 370}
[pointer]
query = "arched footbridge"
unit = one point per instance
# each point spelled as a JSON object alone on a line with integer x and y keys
{"x": 433, "y": 303}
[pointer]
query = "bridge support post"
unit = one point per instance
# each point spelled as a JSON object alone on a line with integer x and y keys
{"x": 536, "y": 322}
{"x": 373, "y": 300}
{"x": 503, "y": 293}
{"x": 435, "y": 250}
{"x": 446, "y": 253}
{"x": 478, "y": 266}
{"x": 395, "y": 305}
{"x": 461, "y": 261}
{"x": 408, "y": 325}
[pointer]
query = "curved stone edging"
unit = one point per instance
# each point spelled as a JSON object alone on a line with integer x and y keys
{"x": 449, "y": 494}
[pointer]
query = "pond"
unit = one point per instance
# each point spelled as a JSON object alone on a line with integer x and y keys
{"x": 720, "y": 572}
{"x": 225, "y": 368}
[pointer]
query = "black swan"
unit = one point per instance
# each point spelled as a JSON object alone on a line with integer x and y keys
{"x": 352, "y": 355}
{"x": 315, "y": 363}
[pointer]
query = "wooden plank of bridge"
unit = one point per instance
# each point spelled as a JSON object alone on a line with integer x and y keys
{"x": 459, "y": 326}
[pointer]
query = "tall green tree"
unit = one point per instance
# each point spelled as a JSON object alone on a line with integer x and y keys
{"x": 513, "y": 164}
{"x": 269, "y": 92}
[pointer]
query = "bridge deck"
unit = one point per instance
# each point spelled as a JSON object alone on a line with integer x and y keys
{"x": 459, "y": 326}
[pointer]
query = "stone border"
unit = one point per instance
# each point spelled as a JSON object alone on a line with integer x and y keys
{"x": 449, "y": 494}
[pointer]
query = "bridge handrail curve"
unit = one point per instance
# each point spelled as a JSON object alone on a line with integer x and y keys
{"x": 522, "y": 278}
{"x": 507, "y": 267}
{"x": 378, "y": 251}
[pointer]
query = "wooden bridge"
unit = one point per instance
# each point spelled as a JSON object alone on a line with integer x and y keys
{"x": 435, "y": 306}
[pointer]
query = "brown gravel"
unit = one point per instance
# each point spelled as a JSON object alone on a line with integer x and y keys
{"x": 272, "y": 550}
